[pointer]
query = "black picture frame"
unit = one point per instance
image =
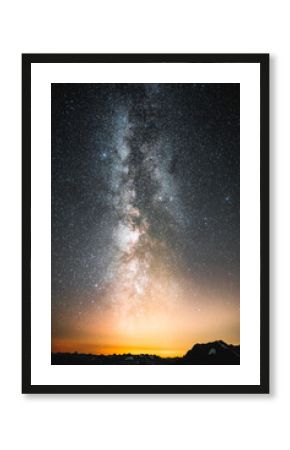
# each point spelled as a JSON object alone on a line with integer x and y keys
{"x": 263, "y": 60}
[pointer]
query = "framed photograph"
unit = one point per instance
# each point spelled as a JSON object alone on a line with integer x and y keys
{"x": 145, "y": 223}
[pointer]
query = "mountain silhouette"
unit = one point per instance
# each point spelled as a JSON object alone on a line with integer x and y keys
{"x": 211, "y": 353}
{"x": 217, "y": 352}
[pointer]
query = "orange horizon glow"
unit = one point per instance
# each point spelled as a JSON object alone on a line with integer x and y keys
{"x": 171, "y": 319}
{"x": 60, "y": 346}
{"x": 70, "y": 347}
{"x": 166, "y": 330}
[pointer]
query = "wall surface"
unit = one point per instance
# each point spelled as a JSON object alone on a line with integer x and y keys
{"x": 105, "y": 422}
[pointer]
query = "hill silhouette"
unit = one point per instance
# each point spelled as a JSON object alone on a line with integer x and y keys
{"x": 211, "y": 353}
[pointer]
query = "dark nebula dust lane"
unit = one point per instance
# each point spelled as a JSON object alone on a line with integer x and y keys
{"x": 145, "y": 216}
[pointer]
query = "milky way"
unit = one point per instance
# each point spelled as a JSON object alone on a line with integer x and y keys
{"x": 145, "y": 214}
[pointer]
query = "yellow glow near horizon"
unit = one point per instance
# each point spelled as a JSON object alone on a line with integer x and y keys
{"x": 163, "y": 328}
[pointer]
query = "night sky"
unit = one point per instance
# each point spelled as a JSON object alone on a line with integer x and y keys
{"x": 145, "y": 216}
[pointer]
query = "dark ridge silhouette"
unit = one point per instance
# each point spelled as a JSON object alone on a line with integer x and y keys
{"x": 217, "y": 352}
{"x": 212, "y": 353}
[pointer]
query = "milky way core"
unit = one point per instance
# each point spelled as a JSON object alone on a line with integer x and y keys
{"x": 145, "y": 217}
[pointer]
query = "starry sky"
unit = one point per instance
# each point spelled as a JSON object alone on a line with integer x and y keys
{"x": 145, "y": 216}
